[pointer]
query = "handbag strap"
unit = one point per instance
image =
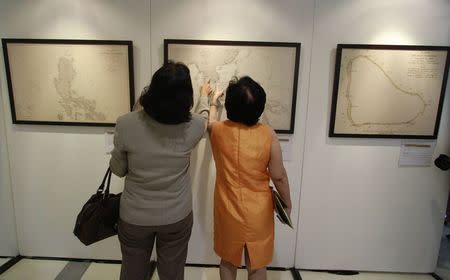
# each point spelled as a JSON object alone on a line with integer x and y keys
{"x": 106, "y": 193}
{"x": 101, "y": 188}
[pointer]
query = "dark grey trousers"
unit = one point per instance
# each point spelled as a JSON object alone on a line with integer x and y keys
{"x": 136, "y": 243}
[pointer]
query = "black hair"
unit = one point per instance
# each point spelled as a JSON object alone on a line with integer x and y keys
{"x": 245, "y": 100}
{"x": 169, "y": 97}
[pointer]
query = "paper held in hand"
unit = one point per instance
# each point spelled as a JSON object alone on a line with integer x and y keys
{"x": 280, "y": 208}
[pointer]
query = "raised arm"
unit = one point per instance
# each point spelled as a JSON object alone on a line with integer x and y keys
{"x": 203, "y": 105}
{"x": 278, "y": 173}
{"x": 213, "y": 110}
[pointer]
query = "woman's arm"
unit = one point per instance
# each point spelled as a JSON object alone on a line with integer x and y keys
{"x": 203, "y": 107}
{"x": 213, "y": 110}
{"x": 119, "y": 160}
{"x": 278, "y": 173}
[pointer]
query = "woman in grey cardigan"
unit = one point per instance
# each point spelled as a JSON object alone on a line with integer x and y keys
{"x": 152, "y": 149}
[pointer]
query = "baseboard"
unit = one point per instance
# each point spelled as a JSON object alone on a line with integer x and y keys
{"x": 73, "y": 259}
{"x": 296, "y": 274}
{"x": 10, "y": 263}
{"x": 351, "y": 272}
{"x": 242, "y": 267}
{"x": 435, "y": 276}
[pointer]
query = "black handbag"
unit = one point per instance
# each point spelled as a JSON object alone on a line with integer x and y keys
{"x": 98, "y": 218}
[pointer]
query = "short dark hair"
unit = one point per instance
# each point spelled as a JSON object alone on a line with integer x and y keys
{"x": 245, "y": 100}
{"x": 169, "y": 97}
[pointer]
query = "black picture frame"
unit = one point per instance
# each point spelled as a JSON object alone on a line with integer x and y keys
{"x": 336, "y": 93}
{"x": 295, "y": 45}
{"x": 8, "y": 42}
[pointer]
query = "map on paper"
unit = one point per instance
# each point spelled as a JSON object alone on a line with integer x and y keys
{"x": 69, "y": 83}
{"x": 272, "y": 67}
{"x": 391, "y": 92}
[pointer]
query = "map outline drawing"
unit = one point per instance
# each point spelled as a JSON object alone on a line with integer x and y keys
{"x": 349, "y": 102}
{"x": 70, "y": 101}
{"x": 74, "y": 83}
{"x": 388, "y": 91}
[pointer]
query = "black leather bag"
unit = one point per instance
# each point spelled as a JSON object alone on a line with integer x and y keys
{"x": 98, "y": 218}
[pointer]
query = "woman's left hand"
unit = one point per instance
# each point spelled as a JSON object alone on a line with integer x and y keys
{"x": 217, "y": 94}
{"x": 206, "y": 89}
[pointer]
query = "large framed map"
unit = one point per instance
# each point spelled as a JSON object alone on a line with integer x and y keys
{"x": 388, "y": 91}
{"x": 274, "y": 65}
{"x": 69, "y": 82}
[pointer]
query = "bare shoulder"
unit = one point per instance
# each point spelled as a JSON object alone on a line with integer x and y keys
{"x": 217, "y": 124}
{"x": 269, "y": 130}
{"x": 214, "y": 127}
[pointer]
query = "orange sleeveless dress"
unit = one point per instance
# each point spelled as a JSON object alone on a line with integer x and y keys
{"x": 243, "y": 206}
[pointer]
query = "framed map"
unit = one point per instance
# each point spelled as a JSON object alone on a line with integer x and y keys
{"x": 273, "y": 65}
{"x": 388, "y": 91}
{"x": 69, "y": 82}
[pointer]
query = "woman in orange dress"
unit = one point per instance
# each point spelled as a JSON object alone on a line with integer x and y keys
{"x": 247, "y": 155}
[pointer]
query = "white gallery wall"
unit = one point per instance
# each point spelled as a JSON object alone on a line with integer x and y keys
{"x": 357, "y": 209}
{"x": 54, "y": 169}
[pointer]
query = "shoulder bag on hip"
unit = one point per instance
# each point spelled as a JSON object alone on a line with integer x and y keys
{"x": 98, "y": 218}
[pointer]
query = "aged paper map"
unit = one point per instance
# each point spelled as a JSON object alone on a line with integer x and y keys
{"x": 392, "y": 92}
{"x": 272, "y": 67}
{"x": 69, "y": 83}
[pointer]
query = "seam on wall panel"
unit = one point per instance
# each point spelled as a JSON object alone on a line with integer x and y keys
{"x": 150, "y": 39}
{"x": 3, "y": 104}
{"x": 302, "y": 164}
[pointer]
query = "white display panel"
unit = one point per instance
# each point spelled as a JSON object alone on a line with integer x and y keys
{"x": 54, "y": 170}
{"x": 358, "y": 209}
{"x": 226, "y": 22}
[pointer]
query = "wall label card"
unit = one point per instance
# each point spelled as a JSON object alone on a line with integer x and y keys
{"x": 69, "y": 82}
{"x": 385, "y": 91}
{"x": 413, "y": 153}
{"x": 273, "y": 65}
